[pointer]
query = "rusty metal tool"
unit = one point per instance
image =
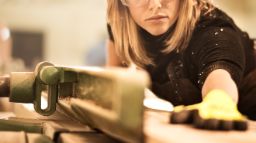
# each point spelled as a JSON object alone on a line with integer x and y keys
{"x": 110, "y": 100}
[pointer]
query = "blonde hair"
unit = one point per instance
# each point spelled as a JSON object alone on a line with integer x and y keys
{"x": 128, "y": 43}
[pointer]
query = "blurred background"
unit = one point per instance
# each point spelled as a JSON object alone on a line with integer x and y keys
{"x": 73, "y": 32}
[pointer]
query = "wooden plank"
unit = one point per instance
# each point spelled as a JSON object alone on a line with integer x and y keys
{"x": 6, "y": 115}
{"x": 85, "y": 138}
{"x": 12, "y": 137}
{"x": 102, "y": 101}
{"x": 157, "y": 129}
{"x": 53, "y": 128}
{"x": 38, "y": 138}
{"x": 5, "y": 105}
{"x": 20, "y": 124}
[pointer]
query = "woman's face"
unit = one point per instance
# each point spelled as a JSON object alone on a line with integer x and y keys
{"x": 154, "y": 16}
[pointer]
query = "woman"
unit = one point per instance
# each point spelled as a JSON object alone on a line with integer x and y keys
{"x": 188, "y": 47}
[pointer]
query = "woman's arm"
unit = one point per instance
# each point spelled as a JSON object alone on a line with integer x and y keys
{"x": 217, "y": 111}
{"x": 220, "y": 79}
{"x": 112, "y": 58}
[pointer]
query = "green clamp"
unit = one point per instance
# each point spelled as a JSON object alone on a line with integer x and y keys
{"x": 28, "y": 87}
{"x": 47, "y": 76}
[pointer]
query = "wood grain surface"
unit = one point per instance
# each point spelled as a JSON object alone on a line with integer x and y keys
{"x": 157, "y": 129}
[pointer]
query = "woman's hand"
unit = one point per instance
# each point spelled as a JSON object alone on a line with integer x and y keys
{"x": 217, "y": 111}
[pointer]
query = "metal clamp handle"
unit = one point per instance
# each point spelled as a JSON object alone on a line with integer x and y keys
{"x": 43, "y": 73}
{"x": 52, "y": 99}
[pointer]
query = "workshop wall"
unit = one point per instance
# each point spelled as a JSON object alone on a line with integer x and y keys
{"x": 242, "y": 11}
{"x": 71, "y": 28}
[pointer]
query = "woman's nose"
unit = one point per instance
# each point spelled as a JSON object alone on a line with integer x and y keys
{"x": 155, "y": 4}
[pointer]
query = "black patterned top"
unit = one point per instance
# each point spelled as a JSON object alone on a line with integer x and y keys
{"x": 216, "y": 43}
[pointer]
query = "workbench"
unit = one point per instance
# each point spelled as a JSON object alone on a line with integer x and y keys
{"x": 94, "y": 105}
{"x": 60, "y": 128}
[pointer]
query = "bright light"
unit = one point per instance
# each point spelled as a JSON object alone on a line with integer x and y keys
{"x": 30, "y": 107}
{"x": 5, "y": 34}
{"x": 151, "y": 101}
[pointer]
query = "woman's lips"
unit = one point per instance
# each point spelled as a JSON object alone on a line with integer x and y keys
{"x": 158, "y": 18}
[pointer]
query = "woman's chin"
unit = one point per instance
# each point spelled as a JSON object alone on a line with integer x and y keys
{"x": 157, "y": 32}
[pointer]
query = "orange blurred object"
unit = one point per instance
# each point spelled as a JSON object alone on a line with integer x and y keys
{"x": 5, "y": 47}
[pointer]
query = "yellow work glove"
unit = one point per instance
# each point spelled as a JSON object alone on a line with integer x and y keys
{"x": 217, "y": 111}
